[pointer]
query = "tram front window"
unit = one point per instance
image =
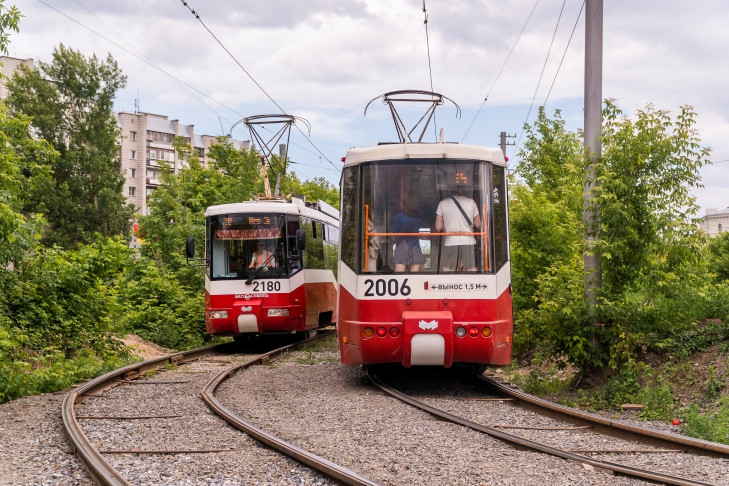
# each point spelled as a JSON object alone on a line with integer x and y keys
{"x": 245, "y": 243}
{"x": 425, "y": 216}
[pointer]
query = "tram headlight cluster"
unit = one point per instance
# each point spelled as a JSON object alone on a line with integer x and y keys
{"x": 218, "y": 314}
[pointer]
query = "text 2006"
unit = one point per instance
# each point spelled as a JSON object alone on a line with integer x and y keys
{"x": 382, "y": 287}
{"x": 266, "y": 286}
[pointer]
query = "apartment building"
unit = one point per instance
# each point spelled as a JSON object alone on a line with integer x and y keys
{"x": 146, "y": 145}
{"x": 715, "y": 221}
{"x": 9, "y": 65}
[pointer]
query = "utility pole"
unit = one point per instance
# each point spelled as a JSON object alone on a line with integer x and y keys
{"x": 593, "y": 151}
{"x": 503, "y": 143}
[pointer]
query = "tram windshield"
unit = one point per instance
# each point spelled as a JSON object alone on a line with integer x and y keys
{"x": 238, "y": 244}
{"x": 426, "y": 215}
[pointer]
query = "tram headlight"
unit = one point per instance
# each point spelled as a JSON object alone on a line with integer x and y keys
{"x": 277, "y": 313}
{"x": 473, "y": 331}
{"x": 394, "y": 331}
{"x": 486, "y": 331}
{"x": 381, "y": 331}
{"x": 218, "y": 314}
{"x": 460, "y": 331}
{"x": 368, "y": 332}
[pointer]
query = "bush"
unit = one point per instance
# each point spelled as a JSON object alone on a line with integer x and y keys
{"x": 159, "y": 309}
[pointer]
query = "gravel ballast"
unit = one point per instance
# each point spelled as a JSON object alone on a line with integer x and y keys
{"x": 309, "y": 399}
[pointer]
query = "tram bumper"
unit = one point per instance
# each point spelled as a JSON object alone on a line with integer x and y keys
{"x": 427, "y": 338}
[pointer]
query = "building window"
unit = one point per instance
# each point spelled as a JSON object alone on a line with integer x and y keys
{"x": 719, "y": 227}
{"x": 133, "y": 136}
{"x": 132, "y": 190}
{"x": 134, "y": 173}
{"x": 132, "y": 154}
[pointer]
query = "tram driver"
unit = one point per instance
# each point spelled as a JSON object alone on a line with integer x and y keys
{"x": 262, "y": 257}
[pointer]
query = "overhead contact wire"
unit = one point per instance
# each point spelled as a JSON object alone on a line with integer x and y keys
{"x": 544, "y": 66}
{"x": 501, "y": 70}
{"x": 197, "y": 16}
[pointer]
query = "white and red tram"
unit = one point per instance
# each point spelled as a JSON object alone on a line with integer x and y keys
{"x": 418, "y": 305}
{"x": 270, "y": 267}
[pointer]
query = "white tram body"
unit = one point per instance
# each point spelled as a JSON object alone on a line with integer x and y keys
{"x": 293, "y": 289}
{"x": 444, "y": 296}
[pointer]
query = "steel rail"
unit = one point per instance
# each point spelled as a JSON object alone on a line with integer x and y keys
{"x": 101, "y": 471}
{"x": 611, "y": 427}
{"x": 320, "y": 464}
{"x": 520, "y": 441}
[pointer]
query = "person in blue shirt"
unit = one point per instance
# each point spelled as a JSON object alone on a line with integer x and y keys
{"x": 408, "y": 256}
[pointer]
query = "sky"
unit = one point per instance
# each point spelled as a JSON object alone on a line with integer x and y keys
{"x": 324, "y": 60}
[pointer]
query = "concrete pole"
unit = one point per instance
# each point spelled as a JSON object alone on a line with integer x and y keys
{"x": 593, "y": 151}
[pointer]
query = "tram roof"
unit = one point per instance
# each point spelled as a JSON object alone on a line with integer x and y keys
{"x": 279, "y": 206}
{"x": 437, "y": 150}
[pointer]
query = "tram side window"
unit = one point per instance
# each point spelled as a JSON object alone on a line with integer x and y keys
{"x": 348, "y": 217}
{"x": 330, "y": 247}
{"x": 499, "y": 198}
{"x": 314, "y": 251}
{"x": 293, "y": 255}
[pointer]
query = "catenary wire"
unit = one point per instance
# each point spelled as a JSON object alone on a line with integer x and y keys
{"x": 430, "y": 69}
{"x": 498, "y": 75}
{"x": 544, "y": 66}
{"x": 184, "y": 86}
{"x": 197, "y": 16}
{"x": 564, "y": 54}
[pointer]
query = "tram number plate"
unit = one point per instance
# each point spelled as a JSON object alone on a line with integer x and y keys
{"x": 267, "y": 286}
{"x": 381, "y": 287}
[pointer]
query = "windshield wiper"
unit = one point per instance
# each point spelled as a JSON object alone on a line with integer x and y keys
{"x": 258, "y": 270}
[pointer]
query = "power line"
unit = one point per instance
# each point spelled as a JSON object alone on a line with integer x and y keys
{"x": 430, "y": 69}
{"x": 565, "y": 53}
{"x": 197, "y": 16}
{"x": 544, "y": 66}
{"x": 184, "y": 86}
{"x": 501, "y": 70}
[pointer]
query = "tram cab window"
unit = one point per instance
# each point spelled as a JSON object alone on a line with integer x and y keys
{"x": 237, "y": 242}
{"x": 399, "y": 214}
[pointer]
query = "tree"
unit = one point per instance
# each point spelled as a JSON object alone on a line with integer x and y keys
{"x": 8, "y": 21}
{"x": 74, "y": 114}
{"x": 653, "y": 280}
{"x": 20, "y": 170}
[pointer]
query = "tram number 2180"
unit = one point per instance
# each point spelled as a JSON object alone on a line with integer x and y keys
{"x": 381, "y": 287}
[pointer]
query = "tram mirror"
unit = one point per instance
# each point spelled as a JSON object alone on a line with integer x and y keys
{"x": 190, "y": 247}
{"x": 300, "y": 239}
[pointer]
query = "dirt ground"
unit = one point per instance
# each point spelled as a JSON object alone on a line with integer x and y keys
{"x": 145, "y": 349}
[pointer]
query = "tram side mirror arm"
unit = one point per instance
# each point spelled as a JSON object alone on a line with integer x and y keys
{"x": 300, "y": 239}
{"x": 190, "y": 247}
{"x": 190, "y": 253}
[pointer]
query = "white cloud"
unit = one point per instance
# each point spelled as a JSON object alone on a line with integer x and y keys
{"x": 325, "y": 59}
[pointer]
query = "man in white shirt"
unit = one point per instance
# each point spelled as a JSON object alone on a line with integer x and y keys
{"x": 458, "y": 251}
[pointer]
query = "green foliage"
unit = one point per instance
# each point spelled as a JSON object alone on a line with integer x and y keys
{"x": 57, "y": 317}
{"x": 717, "y": 257}
{"x": 655, "y": 283}
{"x": 315, "y": 189}
{"x": 74, "y": 113}
{"x": 543, "y": 233}
{"x": 9, "y": 19}
{"x": 158, "y": 308}
{"x": 19, "y": 231}
{"x": 713, "y": 426}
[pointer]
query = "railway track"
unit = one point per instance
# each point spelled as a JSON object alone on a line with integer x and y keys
{"x": 95, "y": 446}
{"x": 564, "y": 432}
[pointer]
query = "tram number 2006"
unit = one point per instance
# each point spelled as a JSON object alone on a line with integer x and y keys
{"x": 381, "y": 287}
